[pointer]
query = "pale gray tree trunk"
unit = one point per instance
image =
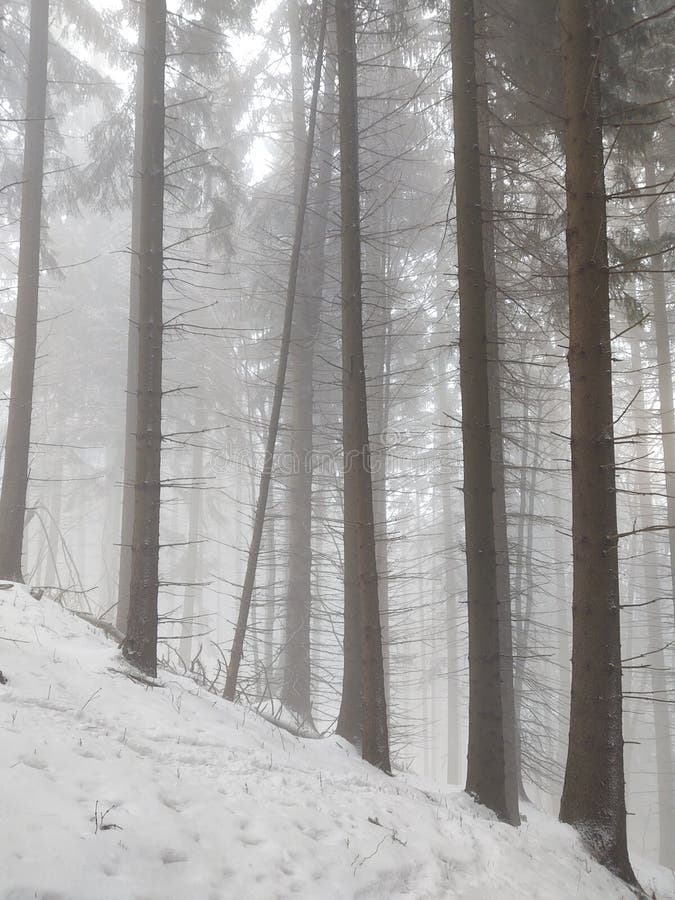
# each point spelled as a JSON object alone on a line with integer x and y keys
{"x": 17, "y": 441}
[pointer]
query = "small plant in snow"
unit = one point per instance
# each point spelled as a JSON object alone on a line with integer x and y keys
{"x": 99, "y": 819}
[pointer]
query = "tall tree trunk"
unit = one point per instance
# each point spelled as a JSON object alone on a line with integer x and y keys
{"x": 512, "y": 760}
{"x": 665, "y": 370}
{"x": 131, "y": 401}
{"x": 265, "y": 478}
{"x": 17, "y": 443}
{"x": 380, "y": 356}
{"x": 486, "y": 773}
{"x": 593, "y": 798}
{"x": 141, "y": 633}
{"x": 361, "y": 587}
{"x": 295, "y": 691}
{"x": 296, "y": 688}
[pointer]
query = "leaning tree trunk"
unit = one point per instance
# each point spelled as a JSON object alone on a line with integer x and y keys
{"x": 593, "y": 798}
{"x": 141, "y": 635}
{"x": 266, "y": 475}
{"x": 295, "y": 691}
{"x": 361, "y": 588}
{"x": 486, "y": 772}
{"x": 17, "y": 444}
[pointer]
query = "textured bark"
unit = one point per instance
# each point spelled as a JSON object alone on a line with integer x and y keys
{"x": 266, "y": 475}
{"x": 512, "y": 760}
{"x": 486, "y": 773}
{"x": 665, "y": 370}
{"x": 140, "y": 646}
{"x": 131, "y": 410}
{"x": 593, "y": 798}
{"x": 361, "y": 587}
{"x": 17, "y": 442}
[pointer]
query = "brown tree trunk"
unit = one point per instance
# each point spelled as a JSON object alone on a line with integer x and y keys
{"x": 512, "y": 761}
{"x": 140, "y": 646}
{"x": 593, "y": 798}
{"x": 361, "y": 588}
{"x": 486, "y": 773}
{"x": 17, "y": 443}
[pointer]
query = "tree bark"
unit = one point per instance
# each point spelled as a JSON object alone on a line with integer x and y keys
{"x": 486, "y": 773}
{"x": 361, "y": 587}
{"x": 140, "y": 646}
{"x": 593, "y": 798}
{"x": 17, "y": 443}
{"x": 512, "y": 760}
{"x": 131, "y": 400}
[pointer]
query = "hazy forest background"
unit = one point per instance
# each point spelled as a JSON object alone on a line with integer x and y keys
{"x": 241, "y": 97}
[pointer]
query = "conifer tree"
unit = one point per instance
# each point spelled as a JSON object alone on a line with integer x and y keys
{"x": 17, "y": 443}
{"x": 593, "y": 797}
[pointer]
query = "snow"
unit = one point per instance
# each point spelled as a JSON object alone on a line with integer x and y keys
{"x": 117, "y": 790}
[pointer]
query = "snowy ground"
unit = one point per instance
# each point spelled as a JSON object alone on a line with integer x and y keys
{"x": 116, "y": 791}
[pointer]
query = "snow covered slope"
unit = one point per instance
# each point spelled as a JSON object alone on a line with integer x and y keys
{"x": 112, "y": 790}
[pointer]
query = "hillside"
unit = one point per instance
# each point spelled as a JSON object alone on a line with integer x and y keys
{"x": 114, "y": 790}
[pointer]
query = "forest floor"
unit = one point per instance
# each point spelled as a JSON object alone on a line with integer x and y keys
{"x": 114, "y": 790}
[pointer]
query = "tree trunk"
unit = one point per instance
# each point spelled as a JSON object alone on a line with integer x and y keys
{"x": 130, "y": 410}
{"x": 665, "y": 370}
{"x": 17, "y": 443}
{"x": 380, "y": 356}
{"x": 296, "y": 688}
{"x": 265, "y": 478}
{"x": 512, "y": 759}
{"x": 486, "y": 773}
{"x": 141, "y": 635}
{"x": 593, "y": 798}
{"x": 361, "y": 588}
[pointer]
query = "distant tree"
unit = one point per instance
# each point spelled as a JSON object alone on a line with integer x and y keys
{"x": 272, "y": 431}
{"x": 593, "y": 798}
{"x": 17, "y": 443}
